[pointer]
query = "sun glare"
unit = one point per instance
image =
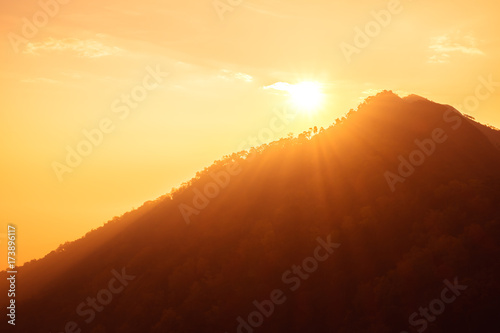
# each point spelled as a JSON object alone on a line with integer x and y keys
{"x": 306, "y": 96}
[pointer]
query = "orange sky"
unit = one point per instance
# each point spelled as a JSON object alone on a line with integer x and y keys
{"x": 70, "y": 74}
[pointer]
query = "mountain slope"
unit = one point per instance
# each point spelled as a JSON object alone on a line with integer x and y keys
{"x": 253, "y": 231}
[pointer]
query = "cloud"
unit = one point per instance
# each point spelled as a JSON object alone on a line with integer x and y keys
{"x": 227, "y": 74}
{"x": 443, "y": 47}
{"x": 244, "y": 77}
{"x": 282, "y": 86}
{"x": 82, "y": 48}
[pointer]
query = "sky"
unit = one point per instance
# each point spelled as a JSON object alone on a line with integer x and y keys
{"x": 161, "y": 89}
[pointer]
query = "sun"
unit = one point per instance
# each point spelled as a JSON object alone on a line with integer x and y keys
{"x": 306, "y": 95}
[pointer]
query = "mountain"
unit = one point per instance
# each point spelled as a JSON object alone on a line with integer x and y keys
{"x": 387, "y": 221}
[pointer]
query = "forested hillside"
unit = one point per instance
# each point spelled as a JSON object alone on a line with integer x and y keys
{"x": 394, "y": 203}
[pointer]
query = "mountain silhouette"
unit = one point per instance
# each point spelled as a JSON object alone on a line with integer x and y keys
{"x": 353, "y": 228}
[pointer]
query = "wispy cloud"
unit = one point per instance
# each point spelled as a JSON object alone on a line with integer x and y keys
{"x": 443, "y": 47}
{"x": 281, "y": 86}
{"x": 227, "y": 74}
{"x": 87, "y": 48}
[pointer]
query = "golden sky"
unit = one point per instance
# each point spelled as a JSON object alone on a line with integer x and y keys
{"x": 175, "y": 85}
